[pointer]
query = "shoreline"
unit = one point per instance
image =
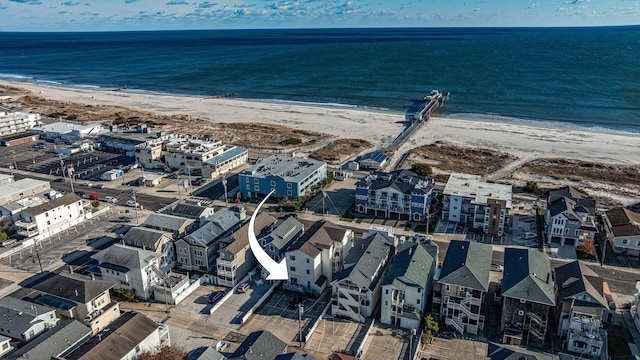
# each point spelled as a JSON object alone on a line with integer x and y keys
{"x": 379, "y": 127}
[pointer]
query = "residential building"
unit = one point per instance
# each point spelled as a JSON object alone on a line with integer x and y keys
{"x": 11, "y": 211}
{"x": 570, "y": 217}
{"x": 407, "y": 286}
{"x": 5, "y": 345}
{"x": 198, "y": 250}
{"x": 356, "y": 289}
{"x": 527, "y": 296}
{"x": 23, "y": 320}
{"x": 55, "y": 343}
{"x": 477, "y": 204}
{"x": 373, "y": 160}
{"x": 317, "y": 256}
{"x": 76, "y": 297}
{"x": 289, "y": 176}
{"x": 259, "y": 345}
{"x": 462, "y": 284}
{"x": 191, "y": 211}
{"x": 17, "y": 122}
{"x": 232, "y": 157}
{"x": 623, "y": 231}
{"x": 511, "y": 352}
{"x": 397, "y": 194}
{"x": 153, "y": 240}
{"x": 125, "y": 339}
{"x": 130, "y": 268}
{"x": 52, "y": 216}
{"x": 205, "y": 353}
{"x": 6, "y": 179}
{"x": 282, "y": 234}
{"x": 176, "y": 225}
{"x": 235, "y": 259}
{"x": 294, "y": 356}
{"x": 19, "y": 189}
{"x": 191, "y": 152}
{"x": 636, "y": 306}
{"x": 581, "y": 309}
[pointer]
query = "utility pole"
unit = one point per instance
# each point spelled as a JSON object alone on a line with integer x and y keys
{"x": 224, "y": 183}
{"x": 300, "y": 311}
{"x": 189, "y": 172}
{"x": 35, "y": 245}
{"x": 13, "y": 154}
{"x": 135, "y": 203}
{"x": 179, "y": 184}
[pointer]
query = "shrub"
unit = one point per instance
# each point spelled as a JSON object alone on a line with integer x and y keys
{"x": 290, "y": 141}
{"x": 422, "y": 169}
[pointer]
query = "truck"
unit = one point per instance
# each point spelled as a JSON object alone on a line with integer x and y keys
{"x": 112, "y": 175}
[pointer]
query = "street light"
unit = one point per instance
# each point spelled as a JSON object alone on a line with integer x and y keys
{"x": 224, "y": 183}
{"x": 300, "y": 311}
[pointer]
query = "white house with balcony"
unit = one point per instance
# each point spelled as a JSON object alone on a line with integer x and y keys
{"x": 407, "y": 286}
{"x": 131, "y": 268}
{"x": 623, "y": 231}
{"x": 52, "y": 216}
{"x": 356, "y": 289}
{"x": 570, "y": 216}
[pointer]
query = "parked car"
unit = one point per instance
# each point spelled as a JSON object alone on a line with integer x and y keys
{"x": 124, "y": 219}
{"x": 87, "y": 184}
{"x": 132, "y": 203}
{"x": 215, "y": 296}
{"x": 82, "y": 194}
{"x": 94, "y": 196}
{"x": 61, "y": 179}
{"x": 99, "y": 186}
{"x": 198, "y": 181}
{"x": 42, "y": 145}
{"x": 529, "y": 235}
{"x": 243, "y": 287}
{"x": 497, "y": 267}
{"x": 110, "y": 199}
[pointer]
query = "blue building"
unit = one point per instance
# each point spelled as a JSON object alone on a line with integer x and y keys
{"x": 400, "y": 194}
{"x": 290, "y": 176}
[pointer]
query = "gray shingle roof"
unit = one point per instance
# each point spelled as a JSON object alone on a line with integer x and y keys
{"x": 126, "y": 256}
{"x": 377, "y": 247}
{"x": 68, "y": 198}
{"x": 147, "y": 238}
{"x": 259, "y": 345}
{"x": 205, "y": 353}
{"x": 284, "y": 231}
{"x": 116, "y": 341}
{"x": 467, "y": 264}
{"x": 74, "y": 287}
{"x": 404, "y": 181}
{"x": 164, "y": 221}
{"x": 624, "y": 222}
{"x": 219, "y": 224}
{"x": 527, "y": 276}
{"x": 189, "y": 211}
{"x": 54, "y": 342}
{"x": 575, "y": 278}
{"x": 19, "y": 315}
{"x": 510, "y": 352}
{"x": 294, "y": 356}
{"x": 412, "y": 266}
{"x": 566, "y": 191}
{"x": 241, "y": 237}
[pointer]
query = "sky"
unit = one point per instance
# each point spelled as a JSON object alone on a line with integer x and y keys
{"x": 114, "y": 15}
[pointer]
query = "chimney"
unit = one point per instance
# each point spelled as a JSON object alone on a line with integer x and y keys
{"x": 70, "y": 269}
{"x": 93, "y": 276}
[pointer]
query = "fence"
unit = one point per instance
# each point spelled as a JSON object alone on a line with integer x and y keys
{"x": 259, "y": 302}
{"x": 315, "y": 325}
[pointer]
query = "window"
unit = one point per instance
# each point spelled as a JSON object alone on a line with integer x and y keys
{"x": 183, "y": 251}
{"x": 255, "y": 181}
{"x": 307, "y": 261}
{"x": 292, "y": 268}
{"x": 273, "y": 183}
{"x": 291, "y": 257}
{"x": 625, "y": 241}
{"x": 256, "y": 188}
{"x": 289, "y": 186}
{"x": 418, "y": 301}
{"x": 308, "y": 272}
{"x": 289, "y": 193}
{"x": 386, "y": 291}
{"x": 198, "y": 252}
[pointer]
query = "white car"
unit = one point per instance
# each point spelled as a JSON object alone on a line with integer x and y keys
{"x": 110, "y": 199}
{"x": 497, "y": 267}
{"x": 87, "y": 184}
{"x": 132, "y": 203}
{"x": 529, "y": 235}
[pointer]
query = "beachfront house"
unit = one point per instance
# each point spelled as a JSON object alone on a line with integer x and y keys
{"x": 235, "y": 258}
{"x": 289, "y": 176}
{"x": 229, "y": 158}
{"x": 23, "y": 320}
{"x": 623, "y": 231}
{"x": 131, "y": 268}
{"x": 400, "y": 194}
{"x": 570, "y": 216}
{"x": 582, "y": 309}
{"x": 462, "y": 285}
{"x": 355, "y": 291}
{"x": 528, "y": 296}
{"x": 373, "y": 160}
{"x": 315, "y": 257}
{"x": 282, "y": 234}
{"x": 407, "y": 286}
{"x": 476, "y": 204}
{"x": 17, "y": 122}
{"x": 77, "y": 297}
{"x": 198, "y": 250}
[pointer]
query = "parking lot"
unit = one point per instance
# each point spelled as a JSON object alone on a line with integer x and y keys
{"x": 340, "y": 197}
{"x": 230, "y": 313}
{"x": 331, "y": 335}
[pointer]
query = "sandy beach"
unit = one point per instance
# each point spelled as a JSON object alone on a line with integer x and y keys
{"x": 524, "y": 141}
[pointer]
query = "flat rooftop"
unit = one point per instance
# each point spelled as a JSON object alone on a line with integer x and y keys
{"x": 21, "y": 185}
{"x": 62, "y": 127}
{"x": 471, "y": 186}
{"x": 290, "y": 168}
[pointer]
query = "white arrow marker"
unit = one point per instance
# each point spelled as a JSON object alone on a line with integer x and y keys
{"x": 277, "y": 271}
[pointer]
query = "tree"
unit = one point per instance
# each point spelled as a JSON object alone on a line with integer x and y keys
{"x": 164, "y": 353}
{"x": 588, "y": 246}
{"x": 422, "y": 169}
{"x": 3, "y": 236}
{"x": 431, "y": 326}
{"x": 532, "y": 187}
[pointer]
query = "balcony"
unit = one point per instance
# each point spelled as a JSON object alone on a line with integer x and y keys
{"x": 96, "y": 314}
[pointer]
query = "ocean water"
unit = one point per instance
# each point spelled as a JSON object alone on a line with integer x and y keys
{"x": 572, "y": 77}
